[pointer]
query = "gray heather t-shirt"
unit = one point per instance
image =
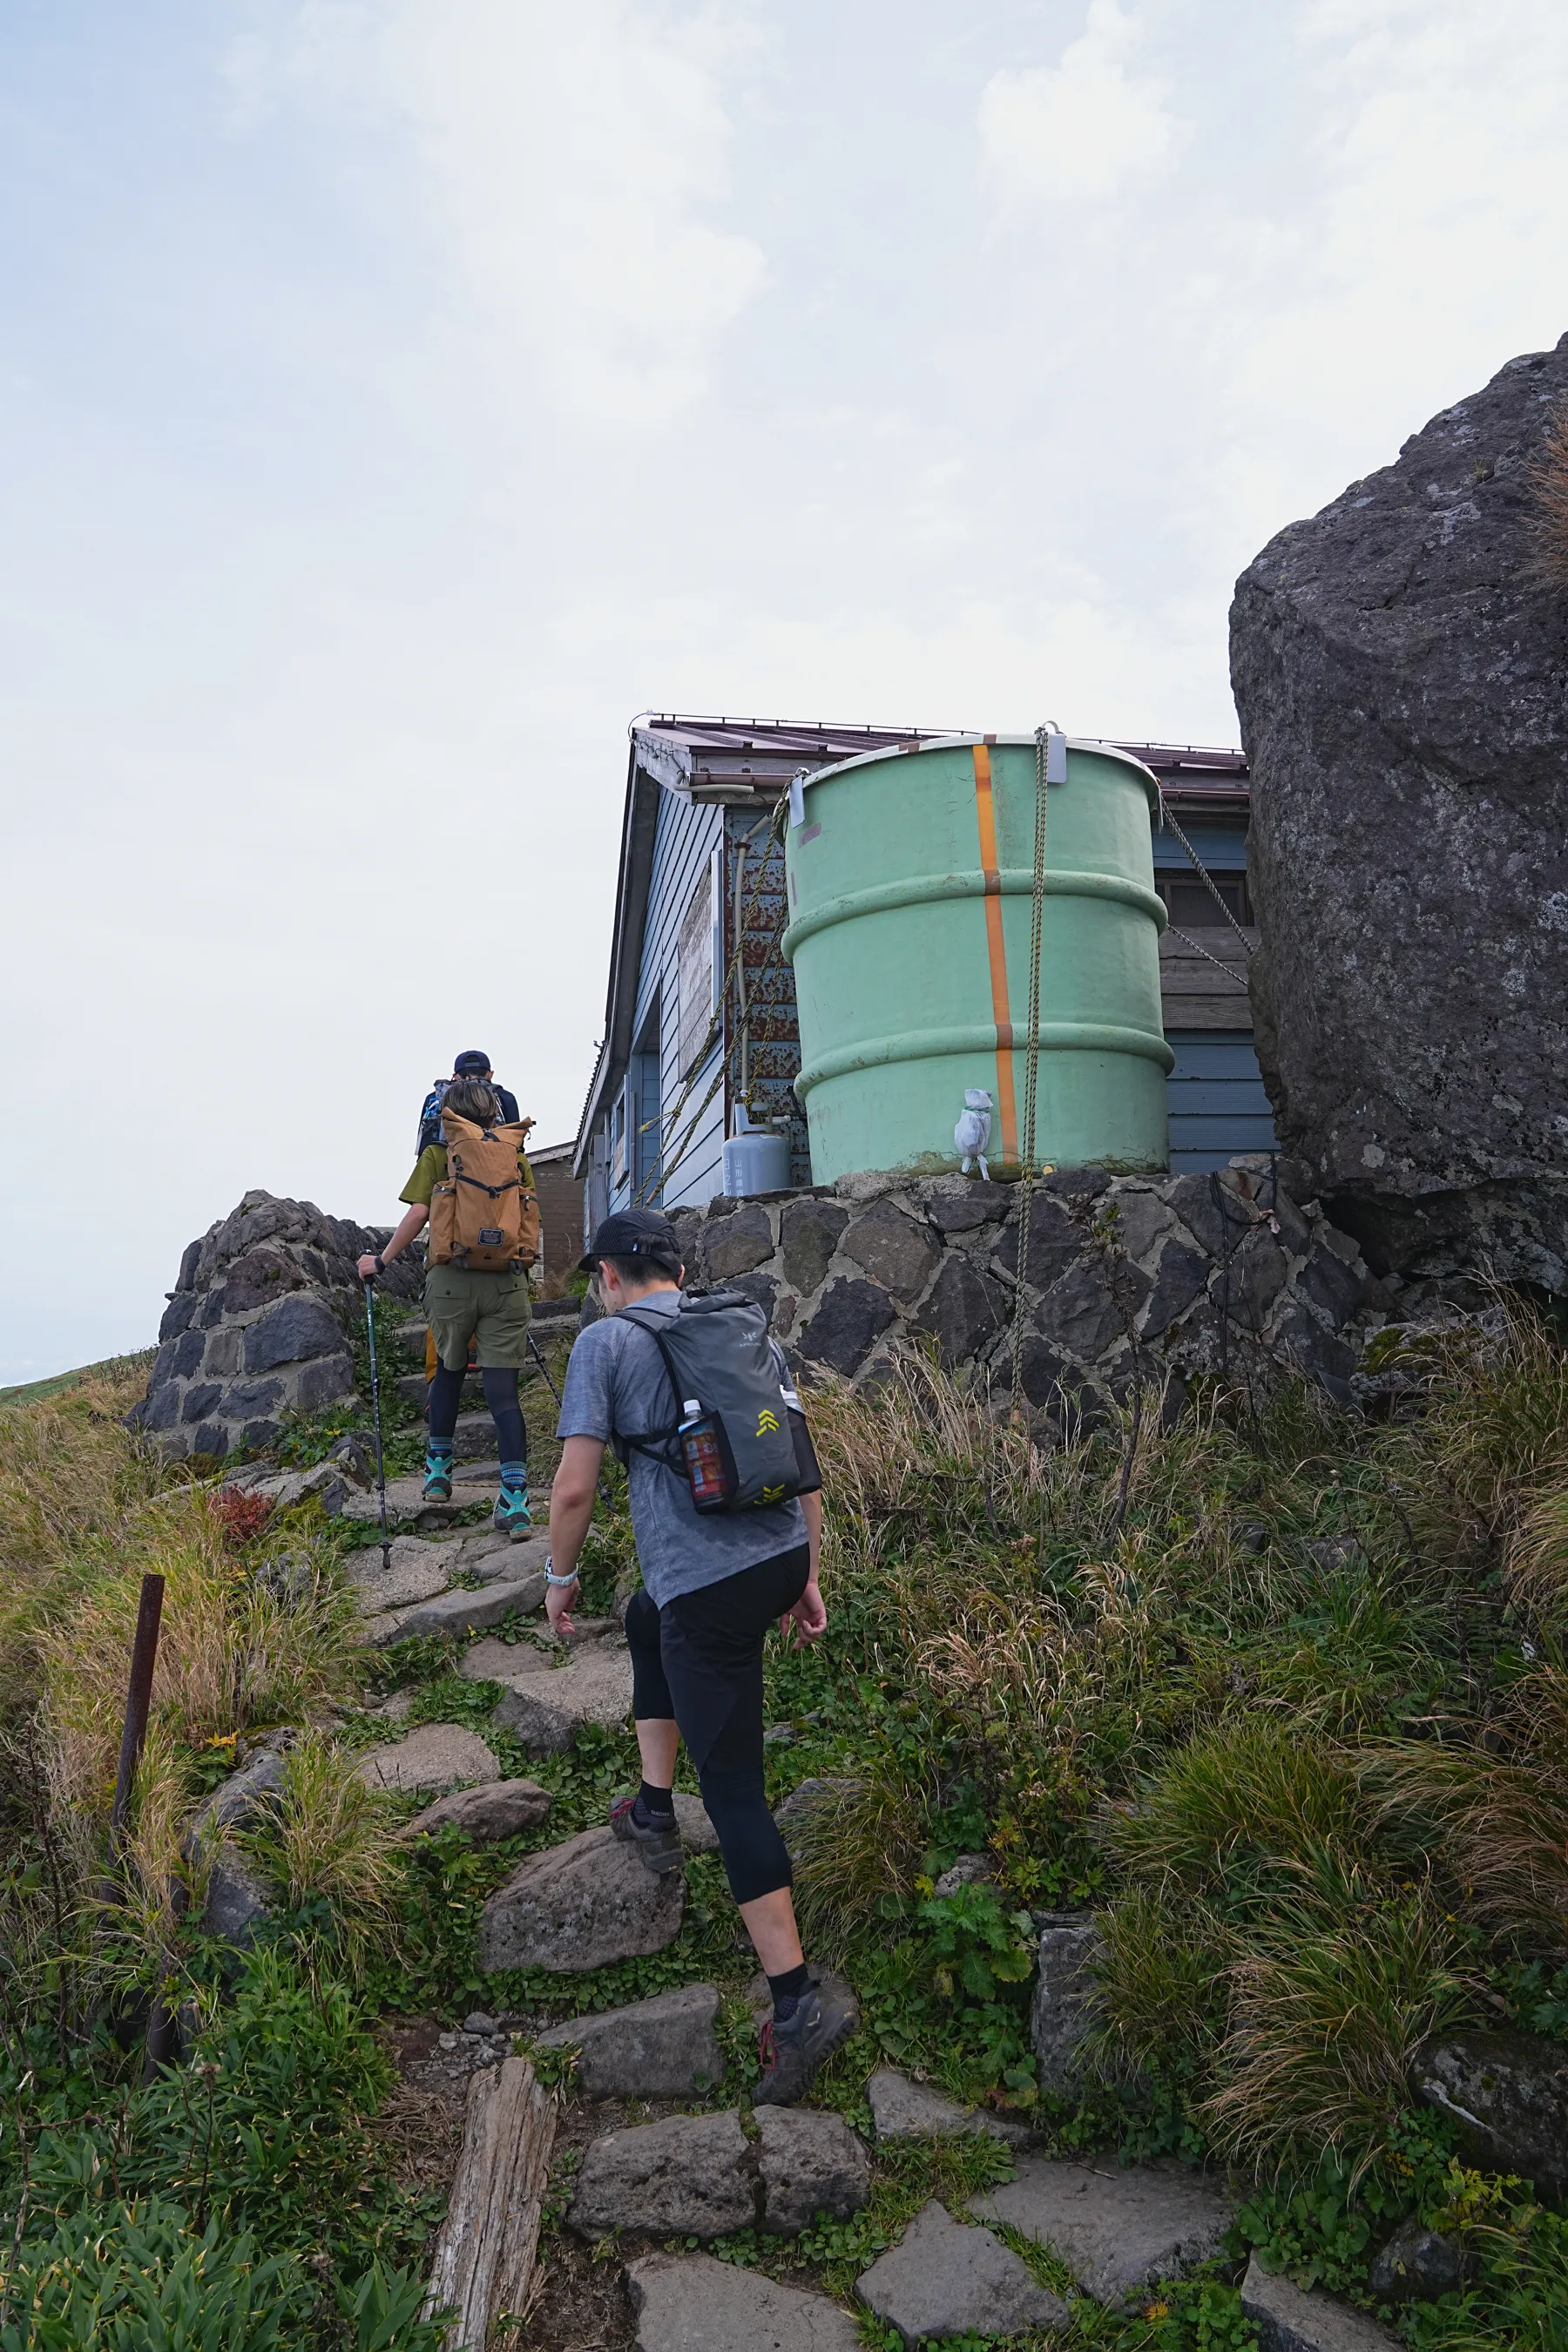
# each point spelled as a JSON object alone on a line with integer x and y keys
{"x": 616, "y": 1386}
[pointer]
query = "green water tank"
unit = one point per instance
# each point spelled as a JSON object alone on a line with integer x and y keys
{"x": 910, "y": 875}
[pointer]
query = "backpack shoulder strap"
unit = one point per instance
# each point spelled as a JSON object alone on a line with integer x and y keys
{"x": 658, "y": 1443}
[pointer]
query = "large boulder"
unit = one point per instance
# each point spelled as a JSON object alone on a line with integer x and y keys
{"x": 1400, "y": 665}
{"x": 260, "y": 1323}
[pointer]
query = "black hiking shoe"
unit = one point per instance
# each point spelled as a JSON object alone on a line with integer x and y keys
{"x": 657, "y": 1840}
{"x": 792, "y": 2049}
{"x": 437, "y": 1486}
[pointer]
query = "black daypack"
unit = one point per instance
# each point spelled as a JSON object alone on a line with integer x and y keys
{"x": 430, "y": 1114}
{"x": 718, "y": 1354}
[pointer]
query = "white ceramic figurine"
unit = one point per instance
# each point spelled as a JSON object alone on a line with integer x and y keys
{"x": 973, "y": 1132}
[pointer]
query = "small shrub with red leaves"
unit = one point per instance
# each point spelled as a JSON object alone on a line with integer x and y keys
{"x": 242, "y": 1517}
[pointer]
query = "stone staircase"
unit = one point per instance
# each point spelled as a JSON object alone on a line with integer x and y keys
{"x": 587, "y": 1901}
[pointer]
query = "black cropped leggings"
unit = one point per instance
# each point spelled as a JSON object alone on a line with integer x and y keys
{"x": 698, "y": 1661}
{"x": 500, "y": 1395}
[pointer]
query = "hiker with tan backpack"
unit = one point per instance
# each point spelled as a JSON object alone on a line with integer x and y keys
{"x": 475, "y": 1188}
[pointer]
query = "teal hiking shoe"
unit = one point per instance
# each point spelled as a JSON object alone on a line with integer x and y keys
{"x": 512, "y": 1516}
{"x": 437, "y": 1486}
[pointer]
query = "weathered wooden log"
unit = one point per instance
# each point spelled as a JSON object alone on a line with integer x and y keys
{"x": 484, "y": 2255}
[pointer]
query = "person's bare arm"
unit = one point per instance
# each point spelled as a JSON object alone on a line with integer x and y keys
{"x": 809, "y": 1615}
{"x": 413, "y": 1221}
{"x": 571, "y": 1510}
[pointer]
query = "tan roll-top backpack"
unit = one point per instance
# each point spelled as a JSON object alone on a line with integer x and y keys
{"x": 483, "y": 1217}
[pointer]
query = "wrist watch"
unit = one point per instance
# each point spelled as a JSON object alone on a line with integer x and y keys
{"x": 380, "y": 1263}
{"x": 551, "y": 1577}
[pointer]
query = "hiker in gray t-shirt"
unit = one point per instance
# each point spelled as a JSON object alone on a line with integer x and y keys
{"x": 713, "y": 1585}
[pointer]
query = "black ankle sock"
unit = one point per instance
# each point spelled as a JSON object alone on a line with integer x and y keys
{"x": 787, "y": 1990}
{"x": 655, "y": 1801}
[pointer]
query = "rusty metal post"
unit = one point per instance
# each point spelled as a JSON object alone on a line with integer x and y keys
{"x": 138, "y": 1700}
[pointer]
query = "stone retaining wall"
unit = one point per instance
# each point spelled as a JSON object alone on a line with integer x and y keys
{"x": 261, "y": 1322}
{"x": 1192, "y": 1273}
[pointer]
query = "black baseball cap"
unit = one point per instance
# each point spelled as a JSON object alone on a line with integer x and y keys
{"x": 471, "y": 1065}
{"x": 635, "y": 1233}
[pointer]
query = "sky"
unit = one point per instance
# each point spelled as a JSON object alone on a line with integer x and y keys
{"x": 398, "y": 396}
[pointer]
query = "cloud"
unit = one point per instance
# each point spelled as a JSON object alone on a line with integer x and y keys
{"x": 573, "y": 160}
{"x": 1082, "y": 132}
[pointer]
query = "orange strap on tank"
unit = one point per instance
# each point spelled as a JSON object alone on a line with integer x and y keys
{"x": 996, "y": 951}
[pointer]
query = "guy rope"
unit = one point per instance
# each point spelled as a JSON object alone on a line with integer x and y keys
{"x": 1028, "y": 1169}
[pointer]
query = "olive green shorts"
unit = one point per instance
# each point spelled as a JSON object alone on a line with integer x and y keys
{"x": 492, "y": 1310}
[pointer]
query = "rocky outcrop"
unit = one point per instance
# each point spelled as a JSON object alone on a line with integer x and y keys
{"x": 1508, "y": 2094}
{"x": 808, "y": 2163}
{"x": 262, "y": 1323}
{"x": 1062, "y": 2017}
{"x": 1400, "y": 665}
{"x": 1178, "y": 1274}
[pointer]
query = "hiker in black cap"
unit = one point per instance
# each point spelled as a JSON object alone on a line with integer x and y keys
{"x": 713, "y": 1581}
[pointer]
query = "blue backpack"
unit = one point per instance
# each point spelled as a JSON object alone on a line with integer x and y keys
{"x": 430, "y": 1116}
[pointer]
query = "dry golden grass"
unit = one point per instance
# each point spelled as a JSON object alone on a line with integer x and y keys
{"x": 1536, "y": 1565}
{"x": 329, "y": 1836}
{"x": 1497, "y": 1823}
{"x": 855, "y": 1840}
{"x": 1549, "y": 483}
{"x": 1493, "y": 1434}
{"x": 1329, "y": 2007}
{"x": 69, "y": 1474}
{"x": 232, "y": 1651}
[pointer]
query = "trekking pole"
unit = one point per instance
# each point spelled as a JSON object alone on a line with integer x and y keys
{"x": 533, "y": 1351}
{"x": 375, "y": 1410}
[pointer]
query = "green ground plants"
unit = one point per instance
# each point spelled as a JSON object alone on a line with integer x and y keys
{"x": 1276, "y": 1691}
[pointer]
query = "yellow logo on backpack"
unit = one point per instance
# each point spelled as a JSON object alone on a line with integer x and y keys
{"x": 484, "y": 1217}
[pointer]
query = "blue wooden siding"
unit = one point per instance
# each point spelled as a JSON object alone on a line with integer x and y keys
{"x": 1215, "y": 1099}
{"x": 687, "y": 834}
{"x": 1222, "y": 847}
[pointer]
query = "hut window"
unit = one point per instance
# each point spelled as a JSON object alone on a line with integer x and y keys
{"x": 1189, "y": 905}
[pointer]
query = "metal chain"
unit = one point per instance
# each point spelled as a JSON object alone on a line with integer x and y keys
{"x": 1031, "y": 1065}
{"x": 1205, "y": 877}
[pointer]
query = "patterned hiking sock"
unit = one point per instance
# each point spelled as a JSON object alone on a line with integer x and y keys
{"x": 514, "y": 1474}
{"x": 787, "y": 1990}
{"x": 653, "y": 1804}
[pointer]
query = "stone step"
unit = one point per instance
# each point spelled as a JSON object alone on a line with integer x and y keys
{"x": 1119, "y": 2232}
{"x": 946, "y": 2279}
{"x": 407, "y": 1512}
{"x": 690, "y": 2302}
